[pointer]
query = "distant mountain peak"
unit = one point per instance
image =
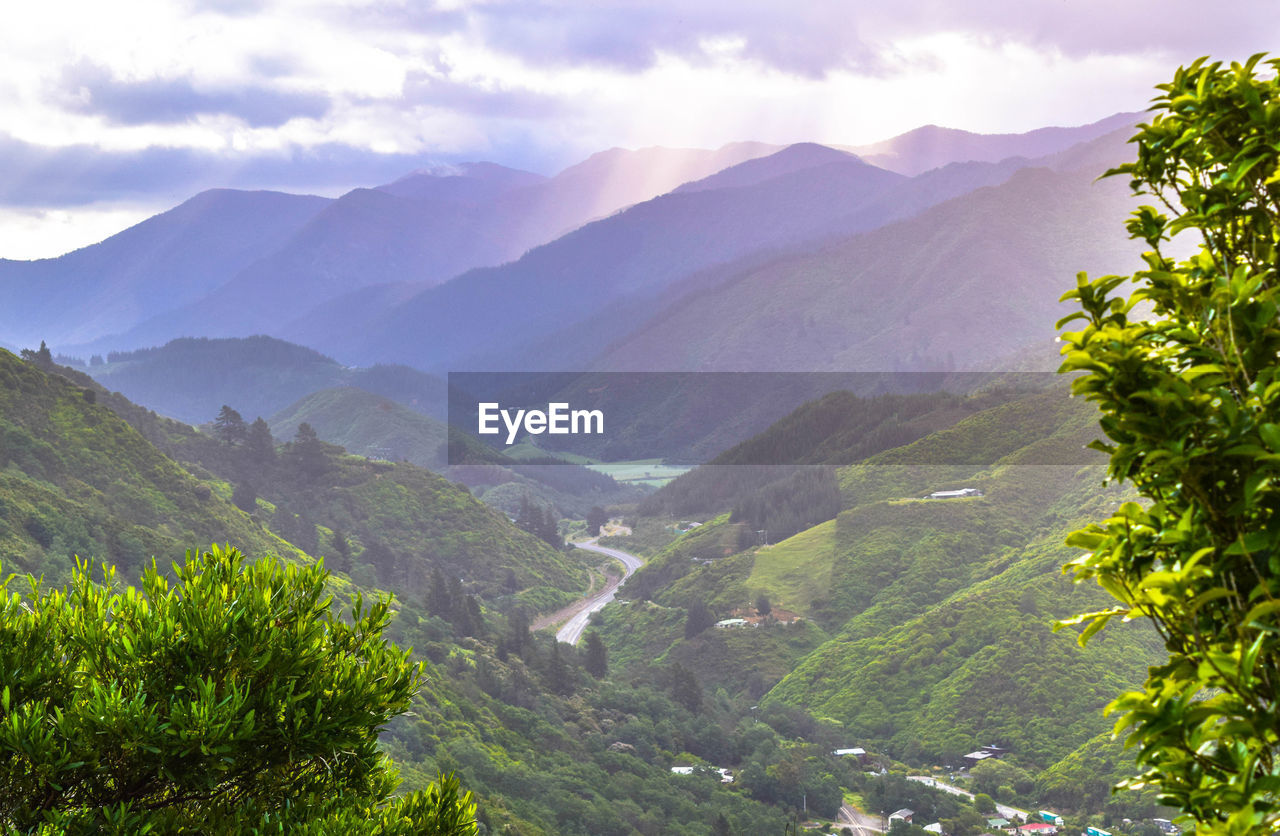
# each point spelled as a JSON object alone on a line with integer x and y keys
{"x": 932, "y": 146}
{"x": 793, "y": 158}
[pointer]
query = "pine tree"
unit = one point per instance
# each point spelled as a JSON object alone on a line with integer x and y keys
{"x": 229, "y": 427}
{"x": 559, "y": 674}
{"x": 597, "y": 657}
{"x": 259, "y": 444}
{"x": 699, "y": 619}
{"x": 596, "y": 518}
{"x": 307, "y": 454}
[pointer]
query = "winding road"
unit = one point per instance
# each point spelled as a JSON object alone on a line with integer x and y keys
{"x": 571, "y": 632}
{"x": 1003, "y": 809}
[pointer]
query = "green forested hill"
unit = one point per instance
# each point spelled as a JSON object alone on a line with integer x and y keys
{"x": 191, "y": 378}
{"x": 937, "y": 613}
{"x": 75, "y": 479}
{"x": 83, "y": 481}
{"x": 547, "y": 747}
{"x": 367, "y": 425}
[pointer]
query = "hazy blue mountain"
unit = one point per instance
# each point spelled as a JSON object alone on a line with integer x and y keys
{"x": 191, "y": 378}
{"x": 168, "y": 260}
{"x": 466, "y": 183}
{"x": 829, "y": 215}
{"x": 793, "y": 158}
{"x": 423, "y": 228}
{"x": 636, "y": 252}
{"x": 963, "y": 285}
{"x": 930, "y": 146}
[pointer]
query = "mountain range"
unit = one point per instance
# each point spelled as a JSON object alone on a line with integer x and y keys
{"x": 482, "y": 266}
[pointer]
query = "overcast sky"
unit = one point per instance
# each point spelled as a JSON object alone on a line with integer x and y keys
{"x": 112, "y": 111}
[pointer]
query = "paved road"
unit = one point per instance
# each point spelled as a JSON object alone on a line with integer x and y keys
{"x": 571, "y": 632}
{"x": 1003, "y": 809}
{"x": 861, "y": 823}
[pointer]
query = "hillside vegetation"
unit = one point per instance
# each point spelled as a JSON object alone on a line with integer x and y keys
{"x": 75, "y": 479}
{"x": 932, "y": 618}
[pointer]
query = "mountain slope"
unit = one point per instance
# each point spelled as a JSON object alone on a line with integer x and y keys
{"x": 938, "y": 612}
{"x": 367, "y": 425}
{"x": 918, "y": 294}
{"x": 636, "y": 252}
{"x": 75, "y": 479}
{"x": 165, "y": 261}
{"x": 423, "y": 228}
{"x": 931, "y": 146}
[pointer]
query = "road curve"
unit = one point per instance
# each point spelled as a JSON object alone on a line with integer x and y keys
{"x": 571, "y": 632}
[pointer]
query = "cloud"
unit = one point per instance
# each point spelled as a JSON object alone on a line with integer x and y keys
{"x": 806, "y": 38}
{"x": 812, "y": 38}
{"x": 42, "y": 177}
{"x": 421, "y": 88}
{"x": 85, "y": 87}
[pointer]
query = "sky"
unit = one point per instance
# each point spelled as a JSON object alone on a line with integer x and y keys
{"x": 111, "y": 112}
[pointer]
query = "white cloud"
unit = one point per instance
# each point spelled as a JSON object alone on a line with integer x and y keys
{"x": 538, "y": 85}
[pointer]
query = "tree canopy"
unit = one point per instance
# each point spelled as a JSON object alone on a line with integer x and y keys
{"x": 1189, "y": 391}
{"x": 232, "y": 699}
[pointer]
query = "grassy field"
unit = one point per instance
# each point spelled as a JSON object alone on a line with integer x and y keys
{"x": 796, "y": 571}
{"x": 641, "y": 472}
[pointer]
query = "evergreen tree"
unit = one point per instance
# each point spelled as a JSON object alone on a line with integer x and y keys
{"x": 763, "y": 607}
{"x": 259, "y": 444}
{"x": 341, "y": 551}
{"x": 307, "y": 454}
{"x": 699, "y": 619}
{"x": 559, "y": 674}
{"x": 517, "y": 637}
{"x": 720, "y": 827}
{"x": 229, "y": 427}
{"x": 596, "y": 518}
{"x": 438, "y": 601}
{"x": 1191, "y": 419}
{"x": 475, "y": 617}
{"x": 597, "y": 657}
{"x": 549, "y": 530}
{"x": 685, "y": 688}
{"x": 77, "y": 757}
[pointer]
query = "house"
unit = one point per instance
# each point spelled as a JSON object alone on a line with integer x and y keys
{"x": 1038, "y": 828}
{"x": 1096, "y": 831}
{"x": 856, "y": 752}
{"x": 902, "y": 815}
{"x": 997, "y": 824}
{"x": 957, "y": 494}
{"x": 977, "y": 757}
{"x": 732, "y": 622}
{"x": 1051, "y": 818}
{"x": 726, "y": 777}
{"x": 936, "y": 827}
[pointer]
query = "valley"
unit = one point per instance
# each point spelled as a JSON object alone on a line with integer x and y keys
{"x": 773, "y": 585}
